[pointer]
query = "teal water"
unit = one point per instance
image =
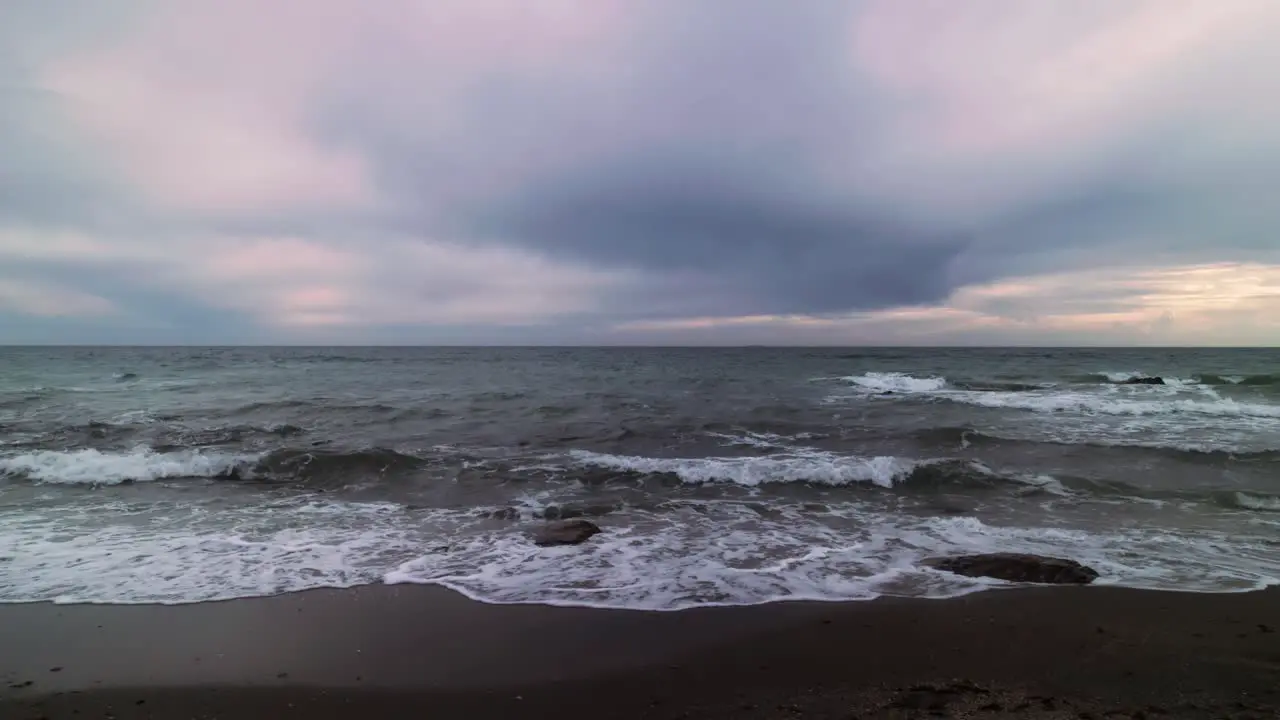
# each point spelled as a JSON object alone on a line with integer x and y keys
{"x": 719, "y": 475}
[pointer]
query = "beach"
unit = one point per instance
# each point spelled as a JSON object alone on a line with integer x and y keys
{"x": 318, "y": 533}
{"x": 413, "y": 651}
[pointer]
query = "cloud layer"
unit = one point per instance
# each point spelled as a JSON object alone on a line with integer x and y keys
{"x": 571, "y": 171}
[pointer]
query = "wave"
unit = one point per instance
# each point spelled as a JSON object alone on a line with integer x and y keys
{"x": 722, "y": 553}
{"x": 966, "y": 437}
{"x": 1252, "y": 380}
{"x": 1127, "y": 378}
{"x": 93, "y": 467}
{"x": 1112, "y": 377}
{"x": 1252, "y": 501}
{"x": 906, "y": 476}
{"x": 327, "y": 469}
{"x": 1213, "y": 379}
{"x": 308, "y": 468}
{"x": 1107, "y": 405}
{"x": 896, "y": 382}
{"x": 1055, "y": 400}
{"x": 814, "y": 467}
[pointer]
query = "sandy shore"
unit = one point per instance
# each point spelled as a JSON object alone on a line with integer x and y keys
{"x": 407, "y": 651}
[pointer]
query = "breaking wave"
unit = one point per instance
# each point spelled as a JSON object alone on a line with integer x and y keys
{"x": 814, "y": 467}
{"x": 1254, "y": 501}
{"x": 94, "y": 467}
{"x": 1057, "y": 400}
{"x": 896, "y": 382}
{"x": 1104, "y": 405}
{"x": 314, "y": 468}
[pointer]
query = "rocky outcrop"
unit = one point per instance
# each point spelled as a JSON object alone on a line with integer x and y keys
{"x": 1017, "y": 568}
{"x": 565, "y": 532}
{"x": 1144, "y": 381}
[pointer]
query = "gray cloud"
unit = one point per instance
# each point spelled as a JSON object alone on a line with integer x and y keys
{"x": 746, "y": 149}
{"x": 648, "y": 160}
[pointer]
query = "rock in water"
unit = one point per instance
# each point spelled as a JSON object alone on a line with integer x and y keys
{"x": 1145, "y": 381}
{"x": 565, "y": 532}
{"x": 1017, "y": 568}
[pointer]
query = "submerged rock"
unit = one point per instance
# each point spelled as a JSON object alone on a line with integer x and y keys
{"x": 1144, "y": 381}
{"x": 565, "y": 532}
{"x": 1017, "y": 568}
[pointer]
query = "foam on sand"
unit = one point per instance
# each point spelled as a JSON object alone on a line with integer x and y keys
{"x": 682, "y": 554}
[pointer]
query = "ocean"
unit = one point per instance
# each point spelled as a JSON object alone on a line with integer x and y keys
{"x": 718, "y": 476}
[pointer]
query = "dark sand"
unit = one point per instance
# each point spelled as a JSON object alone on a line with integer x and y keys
{"x": 419, "y": 652}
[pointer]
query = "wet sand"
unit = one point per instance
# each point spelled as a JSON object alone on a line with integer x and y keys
{"x": 410, "y": 651}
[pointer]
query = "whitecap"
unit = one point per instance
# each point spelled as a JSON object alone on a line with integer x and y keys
{"x": 94, "y": 467}
{"x": 799, "y": 465}
{"x": 896, "y": 382}
{"x": 1270, "y": 503}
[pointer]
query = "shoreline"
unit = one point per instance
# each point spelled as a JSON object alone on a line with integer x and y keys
{"x": 388, "y": 651}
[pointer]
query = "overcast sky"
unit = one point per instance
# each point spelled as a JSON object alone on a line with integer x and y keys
{"x": 640, "y": 171}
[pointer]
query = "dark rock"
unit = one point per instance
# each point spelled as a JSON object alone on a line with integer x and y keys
{"x": 565, "y": 532}
{"x": 505, "y": 514}
{"x": 1144, "y": 381}
{"x": 1017, "y": 568}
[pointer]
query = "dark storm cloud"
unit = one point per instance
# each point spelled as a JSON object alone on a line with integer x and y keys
{"x": 702, "y": 147}
{"x": 750, "y": 152}
{"x": 792, "y": 257}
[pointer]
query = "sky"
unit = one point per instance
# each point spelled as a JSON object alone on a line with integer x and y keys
{"x": 814, "y": 172}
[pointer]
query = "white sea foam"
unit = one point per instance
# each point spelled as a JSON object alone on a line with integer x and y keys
{"x": 896, "y": 382}
{"x": 798, "y": 465}
{"x": 1169, "y": 380}
{"x": 1120, "y": 400}
{"x": 116, "y": 552}
{"x": 695, "y": 553}
{"x": 1269, "y": 503}
{"x": 93, "y": 467}
{"x": 1089, "y": 403}
{"x": 724, "y": 553}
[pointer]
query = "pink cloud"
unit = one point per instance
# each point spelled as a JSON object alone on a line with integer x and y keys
{"x": 204, "y": 107}
{"x": 209, "y": 105}
{"x": 998, "y": 103}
